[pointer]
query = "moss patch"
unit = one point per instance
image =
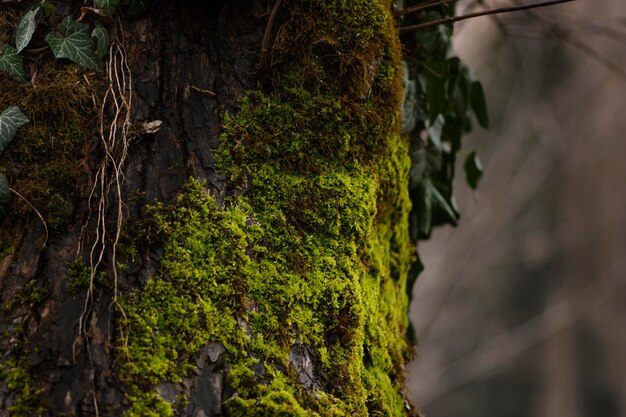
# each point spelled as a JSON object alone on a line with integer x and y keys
{"x": 314, "y": 253}
{"x": 47, "y": 156}
{"x": 25, "y": 399}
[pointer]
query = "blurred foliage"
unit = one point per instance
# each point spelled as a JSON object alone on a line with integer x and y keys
{"x": 442, "y": 100}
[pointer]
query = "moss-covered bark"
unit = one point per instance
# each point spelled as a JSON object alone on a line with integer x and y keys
{"x": 301, "y": 278}
{"x": 271, "y": 281}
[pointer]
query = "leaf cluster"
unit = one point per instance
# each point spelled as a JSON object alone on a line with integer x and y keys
{"x": 442, "y": 101}
{"x": 74, "y": 41}
{"x": 77, "y": 42}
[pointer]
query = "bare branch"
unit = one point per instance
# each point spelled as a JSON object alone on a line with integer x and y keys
{"x": 36, "y": 212}
{"x": 453, "y": 19}
{"x": 422, "y": 6}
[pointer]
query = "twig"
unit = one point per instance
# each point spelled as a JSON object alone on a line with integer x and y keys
{"x": 203, "y": 91}
{"x": 422, "y": 6}
{"x": 268, "y": 31}
{"x": 566, "y": 37}
{"x": 453, "y": 19}
{"x": 45, "y": 226}
{"x": 593, "y": 54}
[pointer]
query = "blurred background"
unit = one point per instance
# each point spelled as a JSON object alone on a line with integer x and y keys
{"x": 521, "y": 310}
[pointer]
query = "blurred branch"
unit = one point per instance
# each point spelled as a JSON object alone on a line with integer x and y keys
{"x": 603, "y": 31}
{"x": 595, "y": 55}
{"x": 554, "y": 30}
{"x": 422, "y": 6}
{"x": 454, "y": 19}
{"x": 500, "y": 351}
{"x": 266, "y": 36}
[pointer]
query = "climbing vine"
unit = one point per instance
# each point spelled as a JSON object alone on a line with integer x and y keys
{"x": 441, "y": 102}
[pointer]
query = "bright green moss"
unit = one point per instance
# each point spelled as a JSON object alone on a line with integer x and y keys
{"x": 25, "y": 397}
{"x": 315, "y": 250}
{"x": 78, "y": 277}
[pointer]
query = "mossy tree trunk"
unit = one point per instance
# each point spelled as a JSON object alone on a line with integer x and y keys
{"x": 274, "y": 283}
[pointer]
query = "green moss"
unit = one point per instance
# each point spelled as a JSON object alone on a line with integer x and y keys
{"x": 25, "y": 397}
{"x": 32, "y": 293}
{"x": 315, "y": 250}
{"x": 78, "y": 277}
{"x": 6, "y": 248}
{"x": 149, "y": 404}
{"x": 45, "y": 160}
{"x": 59, "y": 211}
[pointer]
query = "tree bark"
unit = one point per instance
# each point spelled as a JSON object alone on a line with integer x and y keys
{"x": 192, "y": 62}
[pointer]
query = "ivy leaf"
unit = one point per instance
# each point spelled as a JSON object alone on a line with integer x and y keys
{"x": 10, "y": 120}
{"x": 447, "y": 205}
{"x": 101, "y": 37}
{"x": 479, "y": 104}
{"x": 434, "y": 42}
{"x": 436, "y": 74}
{"x": 11, "y": 63}
{"x": 74, "y": 43}
{"x": 107, "y": 6}
{"x": 48, "y": 7}
{"x": 5, "y": 196}
{"x": 25, "y": 29}
{"x": 473, "y": 169}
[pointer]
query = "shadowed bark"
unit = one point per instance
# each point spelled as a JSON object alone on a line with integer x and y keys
{"x": 179, "y": 53}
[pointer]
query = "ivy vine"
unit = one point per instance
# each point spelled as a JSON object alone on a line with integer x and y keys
{"x": 75, "y": 41}
{"x": 442, "y": 100}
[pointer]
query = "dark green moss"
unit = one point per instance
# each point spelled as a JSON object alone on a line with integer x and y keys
{"x": 45, "y": 160}
{"x": 78, "y": 277}
{"x": 6, "y": 248}
{"x": 24, "y": 396}
{"x": 32, "y": 293}
{"x": 59, "y": 211}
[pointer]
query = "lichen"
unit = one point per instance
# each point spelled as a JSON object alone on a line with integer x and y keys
{"x": 313, "y": 252}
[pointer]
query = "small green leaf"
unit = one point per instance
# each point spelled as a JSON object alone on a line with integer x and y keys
{"x": 436, "y": 74}
{"x": 10, "y": 120}
{"x": 447, "y": 205}
{"x": 5, "y": 197}
{"x": 479, "y": 104}
{"x": 473, "y": 169}
{"x": 25, "y": 29}
{"x": 74, "y": 43}
{"x": 107, "y": 6}
{"x": 11, "y": 62}
{"x": 424, "y": 209}
{"x": 434, "y": 42}
{"x": 48, "y": 7}
{"x": 101, "y": 37}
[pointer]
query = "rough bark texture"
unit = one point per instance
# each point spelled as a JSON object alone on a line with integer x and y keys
{"x": 192, "y": 63}
{"x": 211, "y": 46}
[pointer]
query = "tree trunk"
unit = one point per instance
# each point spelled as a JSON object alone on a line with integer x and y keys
{"x": 274, "y": 284}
